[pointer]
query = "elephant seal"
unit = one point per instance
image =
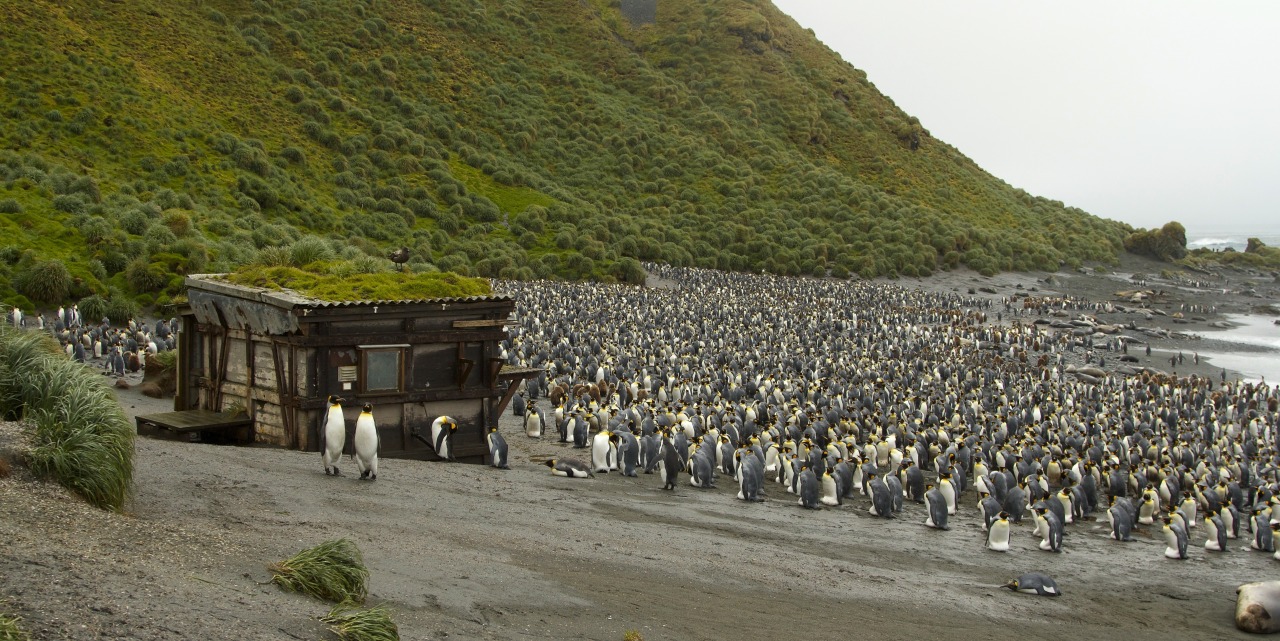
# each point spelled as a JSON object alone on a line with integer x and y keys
{"x": 1258, "y": 607}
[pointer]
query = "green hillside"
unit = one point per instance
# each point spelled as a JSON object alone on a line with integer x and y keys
{"x": 147, "y": 139}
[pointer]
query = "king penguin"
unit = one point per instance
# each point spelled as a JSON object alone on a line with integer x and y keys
{"x": 1217, "y": 532}
{"x": 750, "y": 476}
{"x": 334, "y": 436}
{"x": 1148, "y": 508}
{"x": 442, "y": 430}
{"x": 1122, "y": 517}
{"x": 532, "y": 422}
{"x": 881, "y": 501}
{"x": 948, "y": 490}
{"x": 1050, "y": 526}
{"x": 808, "y": 489}
{"x": 367, "y": 444}
{"x": 998, "y": 533}
{"x": 935, "y": 506}
{"x": 497, "y": 449}
{"x": 571, "y": 468}
{"x": 668, "y": 464}
{"x": 602, "y": 452}
{"x": 1034, "y": 583}
{"x": 1263, "y": 541}
{"x": 830, "y": 489}
{"x": 700, "y": 471}
{"x": 1175, "y": 540}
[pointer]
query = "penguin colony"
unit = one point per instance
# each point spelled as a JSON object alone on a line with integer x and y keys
{"x": 857, "y": 395}
{"x": 117, "y": 350}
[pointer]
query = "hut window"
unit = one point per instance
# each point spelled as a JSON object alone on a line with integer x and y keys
{"x": 382, "y": 368}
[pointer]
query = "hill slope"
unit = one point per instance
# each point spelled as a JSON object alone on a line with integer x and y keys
{"x": 516, "y": 138}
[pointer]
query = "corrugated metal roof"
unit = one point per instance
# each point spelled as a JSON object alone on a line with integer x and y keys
{"x": 288, "y": 298}
{"x": 315, "y": 302}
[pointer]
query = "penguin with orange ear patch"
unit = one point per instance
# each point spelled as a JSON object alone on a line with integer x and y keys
{"x": 442, "y": 430}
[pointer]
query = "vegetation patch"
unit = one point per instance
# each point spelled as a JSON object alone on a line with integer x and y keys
{"x": 351, "y": 624}
{"x": 520, "y": 140}
{"x": 356, "y": 287}
{"x": 11, "y": 629}
{"x": 81, "y": 437}
{"x": 332, "y": 571}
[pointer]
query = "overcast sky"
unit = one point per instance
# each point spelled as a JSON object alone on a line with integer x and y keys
{"x": 1142, "y": 111}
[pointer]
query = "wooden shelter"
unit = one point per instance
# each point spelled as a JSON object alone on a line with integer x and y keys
{"x": 278, "y": 355}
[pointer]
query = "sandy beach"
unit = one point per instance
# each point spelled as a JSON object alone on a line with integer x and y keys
{"x": 470, "y": 552}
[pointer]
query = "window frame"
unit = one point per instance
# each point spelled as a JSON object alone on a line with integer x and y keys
{"x": 400, "y": 352}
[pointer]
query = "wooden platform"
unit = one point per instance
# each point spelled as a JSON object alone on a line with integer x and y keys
{"x": 194, "y": 421}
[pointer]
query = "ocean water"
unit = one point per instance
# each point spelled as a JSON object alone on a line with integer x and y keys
{"x": 1234, "y": 239}
{"x": 1254, "y": 349}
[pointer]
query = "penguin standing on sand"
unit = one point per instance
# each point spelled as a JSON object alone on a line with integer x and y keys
{"x": 1217, "y": 531}
{"x": 602, "y": 452}
{"x": 808, "y": 489}
{"x": 700, "y": 471}
{"x": 333, "y": 436}
{"x": 750, "y": 476}
{"x": 532, "y": 422}
{"x": 935, "y": 506}
{"x": 998, "y": 533}
{"x": 580, "y": 430}
{"x": 1263, "y": 541}
{"x": 948, "y": 490}
{"x": 628, "y": 453}
{"x": 497, "y": 449}
{"x": 881, "y": 501}
{"x": 442, "y": 430}
{"x": 668, "y": 464}
{"x": 830, "y": 489}
{"x": 1122, "y": 519}
{"x": 1175, "y": 539}
{"x": 1050, "y": 527}
{"x": 367, "y": 444}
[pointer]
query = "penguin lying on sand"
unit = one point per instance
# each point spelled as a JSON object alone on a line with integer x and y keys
{"x": 569, "y": 467}
{"x": 1034, "y": 583}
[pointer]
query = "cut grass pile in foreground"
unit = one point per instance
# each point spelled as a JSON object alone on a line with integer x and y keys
{"x": 81, "y": 437}
{"x": 332, "y": 571}
{"x": 11, "y": 630}
{"x": 373, "y": 624}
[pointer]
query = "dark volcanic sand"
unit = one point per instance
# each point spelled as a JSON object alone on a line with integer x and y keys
{"x": 469, "y": 552}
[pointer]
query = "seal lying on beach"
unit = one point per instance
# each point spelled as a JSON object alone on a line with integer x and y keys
{"x": 1258, "y": 607}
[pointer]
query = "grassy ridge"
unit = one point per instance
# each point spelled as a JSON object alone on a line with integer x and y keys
{"x": 516, "y": 138}
{"x": 81, "y": 436}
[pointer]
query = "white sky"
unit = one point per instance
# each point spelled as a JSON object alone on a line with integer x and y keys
{"x": 1142, "y": 111}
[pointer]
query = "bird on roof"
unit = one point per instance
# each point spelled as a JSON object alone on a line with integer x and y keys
{"x": 399, "y": 256}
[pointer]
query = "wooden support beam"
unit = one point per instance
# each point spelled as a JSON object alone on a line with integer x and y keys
{"x": 465, "y": 365}
{"x": 469, "y": 324}
{"x": 421, "y": 338}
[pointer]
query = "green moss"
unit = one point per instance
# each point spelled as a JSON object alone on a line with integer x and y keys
{"x": 354, "y": 287}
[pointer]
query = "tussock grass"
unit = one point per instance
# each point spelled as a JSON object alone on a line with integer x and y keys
{"x": 373, "y": 624}
{"x": 164, "y": 361}
{"x": 11, "y": 630}
{"x": 332, "y": 571}
{"x": 81, "y": 437}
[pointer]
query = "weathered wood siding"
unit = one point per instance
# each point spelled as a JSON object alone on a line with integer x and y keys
{"x": 233, "y": 365}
